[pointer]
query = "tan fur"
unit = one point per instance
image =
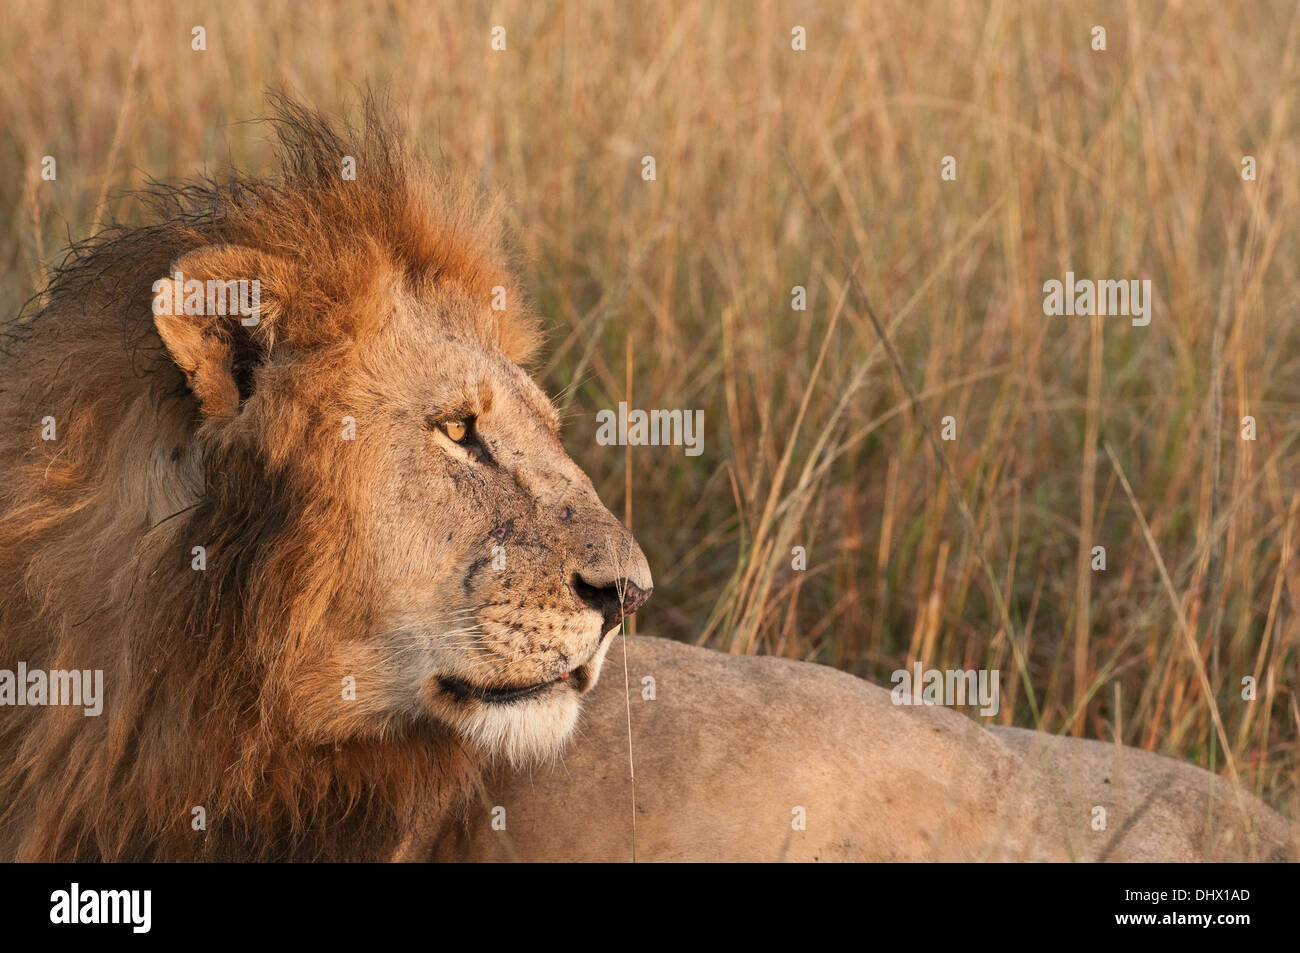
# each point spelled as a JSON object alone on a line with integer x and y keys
{"x": 731, "y": 745}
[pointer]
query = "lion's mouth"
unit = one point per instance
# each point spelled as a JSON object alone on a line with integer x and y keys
{"x": 462, "y": 690}
{"x": 579, "y": 679}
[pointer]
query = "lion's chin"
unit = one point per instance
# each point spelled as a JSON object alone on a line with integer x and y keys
{"x": 523, "y": 732}
{"x": 522, "y": 724}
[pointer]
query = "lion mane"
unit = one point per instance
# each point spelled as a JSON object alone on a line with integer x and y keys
{"x": 95, "y": 538}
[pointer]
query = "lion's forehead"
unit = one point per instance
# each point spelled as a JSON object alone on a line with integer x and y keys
{"x": 419, "y": 364}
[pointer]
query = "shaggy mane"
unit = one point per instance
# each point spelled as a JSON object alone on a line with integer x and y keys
{"x": 96, "y": 531}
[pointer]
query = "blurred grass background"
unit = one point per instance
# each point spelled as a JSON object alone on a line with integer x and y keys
{"x": 1115, "y": 164}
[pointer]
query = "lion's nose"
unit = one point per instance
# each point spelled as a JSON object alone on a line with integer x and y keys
{"x": 614, "y": 600}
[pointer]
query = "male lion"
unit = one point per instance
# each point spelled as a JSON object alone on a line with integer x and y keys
{"x": 341, "y": 579}
{"x": 327, "y": 555}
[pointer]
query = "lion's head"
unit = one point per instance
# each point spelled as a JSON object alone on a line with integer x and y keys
{"x": 327, "y": 550}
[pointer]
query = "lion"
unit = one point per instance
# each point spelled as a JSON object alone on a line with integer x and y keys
{"x": 275, "y": 469}
{"x": 327, "y": 551}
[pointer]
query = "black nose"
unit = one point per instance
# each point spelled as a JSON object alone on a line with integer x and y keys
{"x": 614, "y": 601}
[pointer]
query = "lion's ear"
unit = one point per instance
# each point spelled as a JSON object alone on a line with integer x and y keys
{"x": 216, "y": 314}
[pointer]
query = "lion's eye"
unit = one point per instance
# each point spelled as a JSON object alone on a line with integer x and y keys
{"x": 462, "y": 431}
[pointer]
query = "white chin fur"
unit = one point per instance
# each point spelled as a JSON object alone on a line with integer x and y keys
{"x": 523, "y": 732}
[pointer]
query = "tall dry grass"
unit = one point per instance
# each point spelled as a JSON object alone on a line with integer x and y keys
{"x": 1118, "y": 164}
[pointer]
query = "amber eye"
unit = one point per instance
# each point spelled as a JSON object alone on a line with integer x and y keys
{"x": 455, "y": 429}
